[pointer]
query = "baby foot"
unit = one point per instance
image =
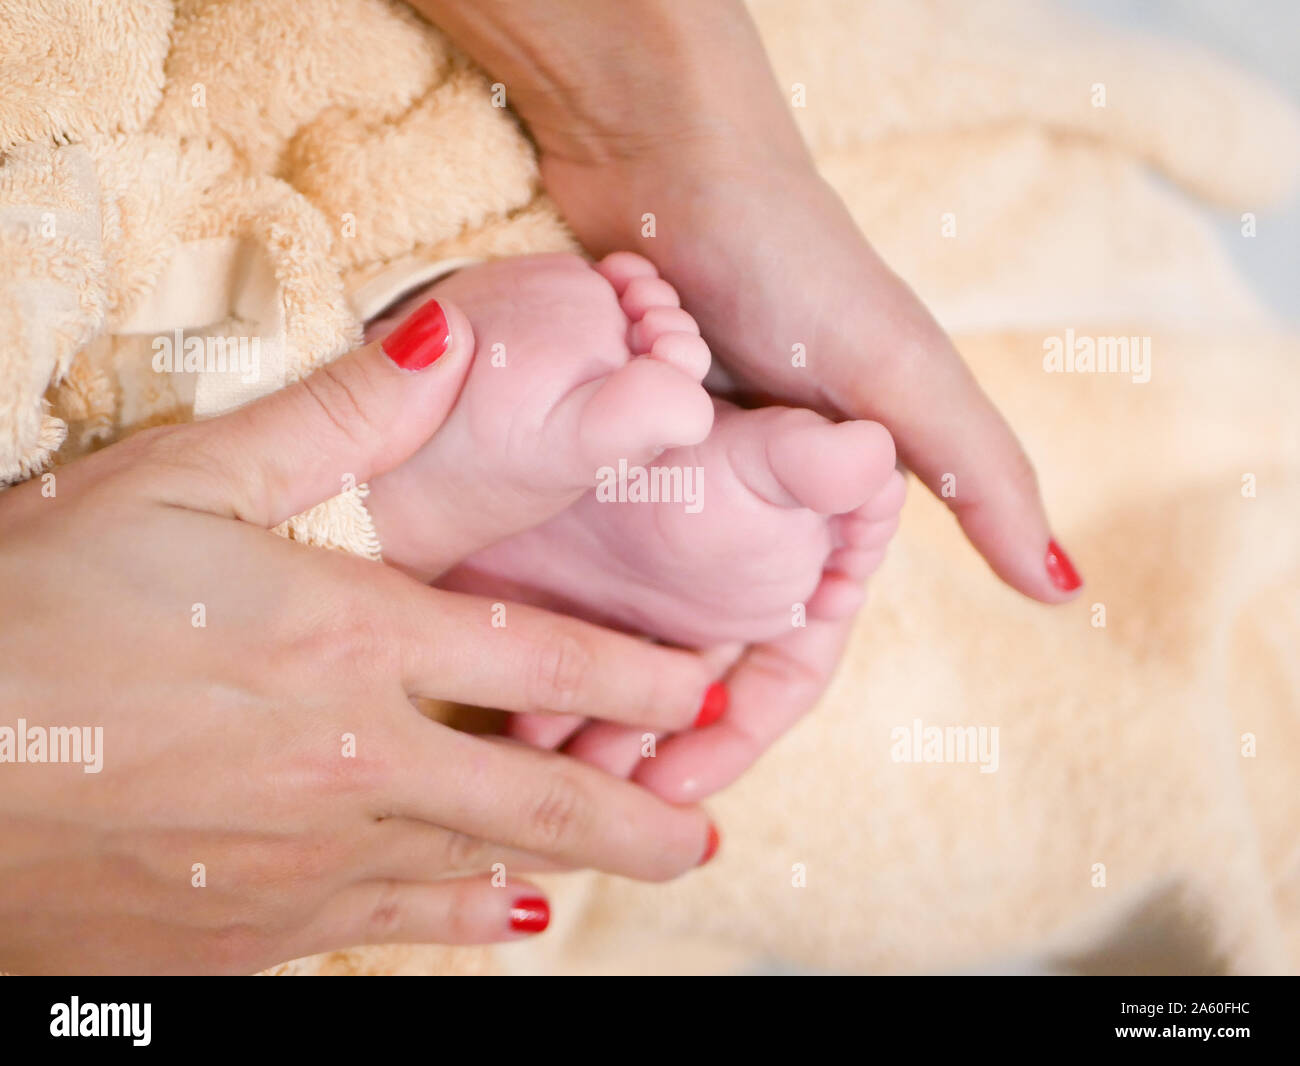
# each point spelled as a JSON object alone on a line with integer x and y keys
{"x": 794, "y": 514}
{"x": 566, "y": 379}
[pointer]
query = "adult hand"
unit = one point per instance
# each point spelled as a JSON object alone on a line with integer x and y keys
{"x": 265, "y": 788}
{"x": 671, "y": 108}
{"x": 767, "y": 688}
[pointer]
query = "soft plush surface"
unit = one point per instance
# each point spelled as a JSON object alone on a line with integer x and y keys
{"x": 369, "y": 145}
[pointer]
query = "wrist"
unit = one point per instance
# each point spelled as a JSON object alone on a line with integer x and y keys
{"x": 597, "y": 83}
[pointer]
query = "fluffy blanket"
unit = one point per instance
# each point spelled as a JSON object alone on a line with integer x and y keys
{"x": 272, "y": 168}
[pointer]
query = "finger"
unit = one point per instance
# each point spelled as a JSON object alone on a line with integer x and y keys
{"x": 464, "y": 911}
{"x": 952, "y": 437}
{"x": 772, "y": 686}
{"x": 616, "y": 749}
{"x": 838, "y": 595}
{"x": 541, "y": 802}
{"x": 467, "y": 649}
{"x": 356, "y": 417}
{"x": 402, "y": 849}
{"x": 543, "y": 730}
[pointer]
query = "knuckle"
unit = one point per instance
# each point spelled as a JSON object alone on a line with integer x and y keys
{"x": 1021, "y": 473}
{"x": 304, "y": 862}
{"x": 256, "y": 866}
{"x": 341, "y": 399}
{"x": 168, "y": 450}
{"x": 347, "y": 635}
{"x": 262, "y": 872}
{"x": 350, "y": 765}
{"x": 352, "y": 635}
{"x": 386, "y": 915}
{"x": 906, "y": 355}
{"x": 458, "y": 925}
{"x": 273, "y": 882}
{"x": 465, "y": 852}
{"x": 561, "y": 669}
{"x": 159, "y": 443}
{"x": 560, "y": 815}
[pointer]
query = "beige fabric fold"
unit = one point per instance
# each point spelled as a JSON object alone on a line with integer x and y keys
{"x": 138, "y": 133}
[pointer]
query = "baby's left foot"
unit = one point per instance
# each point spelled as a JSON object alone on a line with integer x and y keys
{"x": 779, "y": 513}
{"x": 586, "y": 375}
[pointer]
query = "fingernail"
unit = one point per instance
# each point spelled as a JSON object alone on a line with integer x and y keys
{"x": 714, "y": 706}
{"x": 530, "y": 914}
{"x": 711, "y": 848}
{"x": 421, "y": 340}
{"x": 1060, "y": 569}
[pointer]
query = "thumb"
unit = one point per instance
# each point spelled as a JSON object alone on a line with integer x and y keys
{"x": 357, "y": 417}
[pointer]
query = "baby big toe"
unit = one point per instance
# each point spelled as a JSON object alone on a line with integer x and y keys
{"x": 832, "y": 468}
{"x": 641, "y": 409}
{"x": 886, "y": 503}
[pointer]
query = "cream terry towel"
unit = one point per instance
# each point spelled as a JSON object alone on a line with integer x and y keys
{"x": 1143, "y": 814}
{"x": 194, "y": 185}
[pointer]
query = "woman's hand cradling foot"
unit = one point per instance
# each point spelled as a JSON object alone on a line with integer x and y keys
{"x": 672, "y": 109}
{"x": 669, "y": 108}
{"x": 265, "y": 788}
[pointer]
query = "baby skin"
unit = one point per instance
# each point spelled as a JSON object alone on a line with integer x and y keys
{"x": 583, "y": 371}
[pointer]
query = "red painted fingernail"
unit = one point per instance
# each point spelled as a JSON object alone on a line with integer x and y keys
{"x": 714, "y": 706}
{"x": 421, "y": 340}
{"x": 1060, "y": 569}
{"x": 530, "y": 914}
{"x": 711, "y": 848}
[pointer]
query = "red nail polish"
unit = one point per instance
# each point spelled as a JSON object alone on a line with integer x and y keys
{"x": 716, "y": 699}
{"x": 711, "y": 848}
{"x": 530, "y": 914}
{"x": 1060, "y": 569}
{"x": 421, "y": 340}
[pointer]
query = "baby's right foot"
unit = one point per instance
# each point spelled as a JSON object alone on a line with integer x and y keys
{"x": 784, "y": 515}
{"x": 565, "y": 380}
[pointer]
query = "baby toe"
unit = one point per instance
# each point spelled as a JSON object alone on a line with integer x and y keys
{"x": 685, "y": 351}
{"x": 642, "y": 294}
{"x": 543, "y": 730}
{"x": 608, "y": 746}
{"x": 886, "y": 503}
{"x": 620, "y": 269}
{"x": 657, "y": 321}
{"x": 852, "y": 531}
